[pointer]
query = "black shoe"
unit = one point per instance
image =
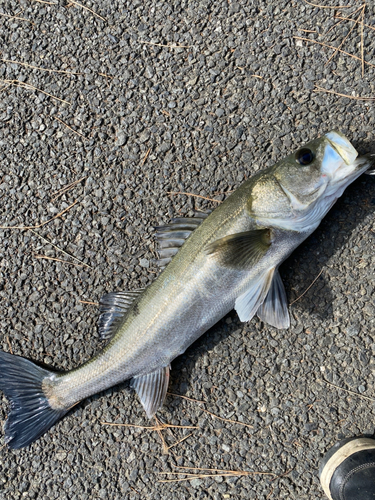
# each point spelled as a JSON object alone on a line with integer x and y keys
{"x": 347, "y": 471}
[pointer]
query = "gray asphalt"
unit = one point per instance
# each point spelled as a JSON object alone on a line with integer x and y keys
{"x": 181, "y": 97}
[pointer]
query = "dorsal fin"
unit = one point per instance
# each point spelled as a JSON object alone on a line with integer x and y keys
{"x": 172, "y": 236}
{"x": 113, "y": 307}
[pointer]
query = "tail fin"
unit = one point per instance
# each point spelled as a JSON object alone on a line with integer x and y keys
{"x": 30, "y": 415}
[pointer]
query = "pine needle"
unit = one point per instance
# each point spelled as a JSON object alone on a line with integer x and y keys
{"x": 16, "y": 17}
{"x": 195, "y": 195}
{"x": 72, "y": 129}
{"x": 355, "y": 21}
{"x": 158, "y": 427}
{"x": 164, "y": 45}
{"x": 227, "y": 419}
{"x": 362, "y": 44}
{"x": 213, "y": 414}
{"x": 28, "y": 86}
{"x": 42, "y": 223}
{"x": 88, "y": 302}
{"x": 40, "y": 68}
{"x": 145, "y": 157}
{"x": 334, "y": 48}
{"x": 347, "y": 390}
{"x": 321, "y": 89}
{"x": 58, "y": 248}
{"x": 66, "y": 188}
{"x": 343, "y": 41}
{"x": 209, "y": 473}
{"x": 90, "y": 10}
{"x": 307, "y": 289}
{"x": 58, "y": 260}
{"x": 328, "y": 6}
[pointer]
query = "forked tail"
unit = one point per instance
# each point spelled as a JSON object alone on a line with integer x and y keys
{"x": 30, "y": 415}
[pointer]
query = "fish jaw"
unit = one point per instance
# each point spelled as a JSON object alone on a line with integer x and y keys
{"x": 342, "y": 146}
{"x": 341, "y": 164}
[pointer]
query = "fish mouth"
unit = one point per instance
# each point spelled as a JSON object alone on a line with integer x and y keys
{"x": 342, "y": 146}
{"x": 339, "y": 160}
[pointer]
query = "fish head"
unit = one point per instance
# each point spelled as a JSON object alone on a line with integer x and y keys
{"x": 324, "y": 163}
{"x": 309, "y": 181}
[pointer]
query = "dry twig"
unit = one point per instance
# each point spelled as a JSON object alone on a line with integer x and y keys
{"x": 334, "y": 48}
{"x": 57, "y": 260}
{"x": 42, "y": 223}
{"x": 90, "y": 10}
{"x": 28, "y": 86}
{"x": 40, "y": 68}
{"x": 307, "y": 289}
{"x": 164, "y": 45}
{"x": 343, "y": 41}
{"x": 195, "y": 195}
{"x": 347, "y": 390}
{"x": 15, "y": 17}
{"x": 145, "y": 157}
{"x": 72, "y": 129}
{"x": 59, "y": 249}
{"x": 67, "y": 188}
{"x": 206, "y": 472}
{"x": 328, "y": 6}
{"x": 321, "y": 89}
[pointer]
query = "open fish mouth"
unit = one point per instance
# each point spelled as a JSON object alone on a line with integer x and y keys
{"x": 340, "y": 165}
{"x": 342, "y": 146}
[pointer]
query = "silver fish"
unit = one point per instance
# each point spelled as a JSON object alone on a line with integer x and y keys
{"x": 227, "y": 260}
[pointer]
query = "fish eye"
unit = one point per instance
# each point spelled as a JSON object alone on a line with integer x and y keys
{"x": 304, "y": 156}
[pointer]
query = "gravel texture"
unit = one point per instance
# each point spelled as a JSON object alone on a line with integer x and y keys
{"x": 188, "y": 97}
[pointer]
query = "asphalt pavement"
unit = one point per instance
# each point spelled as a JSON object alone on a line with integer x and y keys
{"x": 116, "y": 116}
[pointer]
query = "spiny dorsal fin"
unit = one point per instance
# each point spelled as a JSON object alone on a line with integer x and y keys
{"x": 172, "y": 236}
{"x": 274, "y": 309}
{"x": 249, "y": 302}
{"x": 152, "y": 389}
{"x": 112, "y": 307}
{"x": 241, "y": 250}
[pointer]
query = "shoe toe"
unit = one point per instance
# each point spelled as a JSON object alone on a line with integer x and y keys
{"x": 347, "y": 471}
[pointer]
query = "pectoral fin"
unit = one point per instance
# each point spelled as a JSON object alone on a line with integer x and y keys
{"x": 241, "y": 250}
{"x": 249, "y": 302}
{"x": 274, "y": 309}
{"x": 151, "y": 389}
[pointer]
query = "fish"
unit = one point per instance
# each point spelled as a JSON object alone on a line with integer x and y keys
{"x": 211, "y": 264}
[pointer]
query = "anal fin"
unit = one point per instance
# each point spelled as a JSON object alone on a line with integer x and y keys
{"x": 274, "y": 309}
{"x": 152, "y": 389}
